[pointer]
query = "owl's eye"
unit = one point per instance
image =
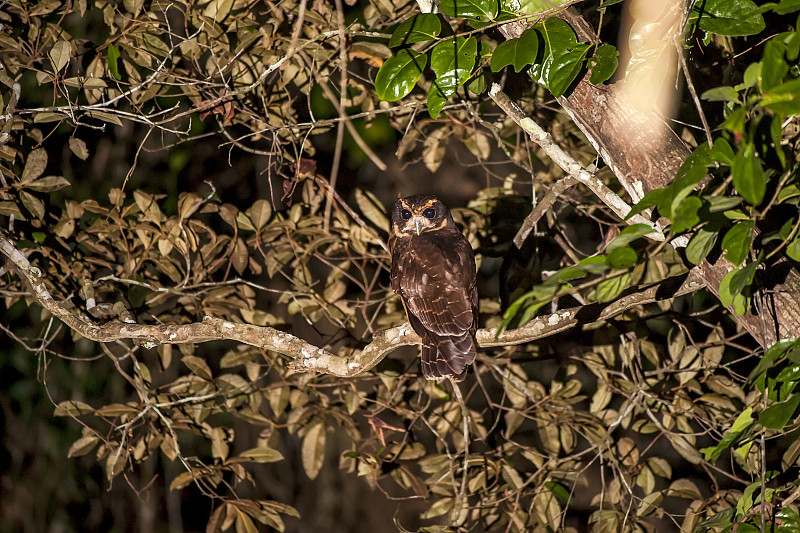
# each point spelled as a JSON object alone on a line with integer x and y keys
{"x": 405, "y": 214}
{"x": 429, "y": 213}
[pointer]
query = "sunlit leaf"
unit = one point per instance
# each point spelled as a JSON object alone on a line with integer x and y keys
{"x": 399, "y": 74}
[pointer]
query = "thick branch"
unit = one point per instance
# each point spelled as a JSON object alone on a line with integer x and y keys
{"x": 306, "y": 356}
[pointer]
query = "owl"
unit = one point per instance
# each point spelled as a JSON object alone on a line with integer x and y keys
{"x": 433, "y": 272}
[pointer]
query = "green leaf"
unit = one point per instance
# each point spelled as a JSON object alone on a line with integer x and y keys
{"x": 417, "y": 29}
{"x": 628, "y": 235}
{"x": 685, "y": 216}
{"x": 734, "y": 18}
{"x": 793, "y": 249}
{"x": 725, "y": 93}
{"x": 787, "y": 6}
{"x": 611, "y": 288}
{"x": 452, "y": 61}
{"x": 737, "y": 241}
{"x": 783, "y": 98}
{"x": 774, "y": 353}
{"x": 742, "y": 422}
{"x": 485, "y": 10}
{"x": 59, "y": 55}
{"x": 561, "y": 57}
{"x": 528, "y": 7}
{"x": 701, "y": 245}
{"x": 517, "y": 52}
{"x": 748, "y": 175}
{"x": 565, "y": 67}
{"x": 722, "y": 203}
{"x": 622, "y": 257}
{"x": 732, "y": 286}
{"x": 778, "y": 415}
{"x": 743, "y": 277}
{"x": 603, "y": 63}
{"x": 773, "y": 65}
{"x": 722, "y": 152}
{"x": 398, "y": 74}
{"x": 453, "y": 54}
{"x": 654, "y": 197}
{"x": 112, "y": 56}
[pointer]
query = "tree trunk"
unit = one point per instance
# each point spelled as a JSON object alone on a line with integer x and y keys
{"x": 645, "y": 155}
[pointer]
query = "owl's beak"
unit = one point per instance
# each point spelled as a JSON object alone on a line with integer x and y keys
{"x": 417, "y": 225}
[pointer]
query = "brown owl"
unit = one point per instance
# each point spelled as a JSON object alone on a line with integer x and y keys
{"x": 433, "y": 271}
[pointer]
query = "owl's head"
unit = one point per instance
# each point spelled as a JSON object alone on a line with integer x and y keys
{"x": 419, "y": 213}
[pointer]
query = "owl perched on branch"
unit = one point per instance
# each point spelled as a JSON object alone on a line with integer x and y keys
{"x": 433, "y": 272}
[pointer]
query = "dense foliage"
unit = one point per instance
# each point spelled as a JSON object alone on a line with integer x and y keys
{"x": 161, "y": 163}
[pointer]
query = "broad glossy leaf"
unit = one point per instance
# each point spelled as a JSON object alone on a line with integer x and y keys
{"x": 529, "y": 7}
{"x": 452, "y": 54}
{"x": 737, "y": 241}
{"x": 730, "y": 17}
{"x": 472, "y": 9}
{"x": 562, "y": 56}
{"x": 742, "y": 422}
{"x": 518, "y": 52}
{"x": 603, "y": 63}
{"x": 748, "y": 175}
{"x": 417, "y": 29}
{"x": 452, "y": 60}
{"x": 399, "y": 74}
{"x": 444, "y": 87}
{"x": 701, "y": 244}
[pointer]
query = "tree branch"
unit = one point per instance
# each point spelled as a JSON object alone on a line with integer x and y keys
{"x": 567, "y": 163}
{"x": 306, "y": 356}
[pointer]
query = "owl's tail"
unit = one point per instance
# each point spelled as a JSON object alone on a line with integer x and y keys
{"x": 447, "y": 357}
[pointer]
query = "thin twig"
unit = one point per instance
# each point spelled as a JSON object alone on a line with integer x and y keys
{"x": 568, "y": 164}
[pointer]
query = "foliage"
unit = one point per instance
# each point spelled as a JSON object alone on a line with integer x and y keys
{"x": 108, "y": 104}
